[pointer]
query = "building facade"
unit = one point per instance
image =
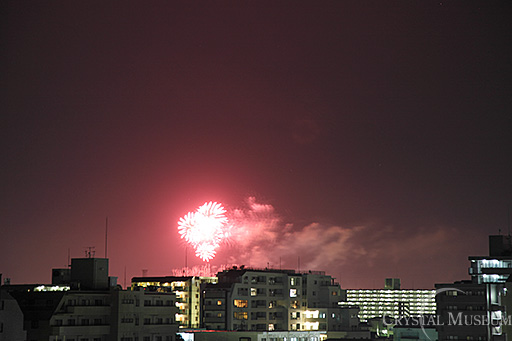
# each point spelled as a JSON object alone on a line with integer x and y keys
{"x": 470, "y": 311}
{"x": 273, "y": 300}
{"x": 11, "y": 319}
{"x": 394, "y": 303}
{"x": 87, "y": 307}
{"x": 188, "y": 291}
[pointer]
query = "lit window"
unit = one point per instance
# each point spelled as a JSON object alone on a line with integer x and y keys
{"x": 293, "y": 292}
{"x": 219, "y": 302}
{"x": 240, "y": 315}
{"x": 254, "y": 292}
{"x": 240, "y": 303}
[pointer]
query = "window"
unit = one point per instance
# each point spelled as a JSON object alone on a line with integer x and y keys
{"x": 240, "y": 303}
{"x": 254, "y": 292}
{"x": 219, "y": 302}
{"x": 237, "y": 315}
{"x": 293, "y": 292}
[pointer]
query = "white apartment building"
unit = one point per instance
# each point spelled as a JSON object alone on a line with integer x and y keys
{"x": 273, "y": 300}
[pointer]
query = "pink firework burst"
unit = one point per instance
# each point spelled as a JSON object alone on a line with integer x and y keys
{"x": 204, "y": 229}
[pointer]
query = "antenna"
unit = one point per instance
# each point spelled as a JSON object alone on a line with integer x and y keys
{"x": 69, "y": 258}
{"x": 89, "y": 252}
{"x": 186, "y": 249}
{"x": 106, "y": 235}
{"x": 509, "y": 222}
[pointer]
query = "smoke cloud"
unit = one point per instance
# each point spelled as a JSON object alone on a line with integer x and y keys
{"x": 260, "y": 238}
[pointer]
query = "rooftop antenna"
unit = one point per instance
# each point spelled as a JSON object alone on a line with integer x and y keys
{"x": 186, "y": 263}
{"x": 69, "y": 259}
{"x": 508, "y": 222}
{"x": 106, "y": 235}
{"x": 89, "y": 252}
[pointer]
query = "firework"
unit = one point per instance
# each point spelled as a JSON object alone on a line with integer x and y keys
{"x": 204, "y": 229}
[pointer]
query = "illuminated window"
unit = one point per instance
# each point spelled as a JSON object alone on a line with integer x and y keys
{"x": 219, "y": 302}
{"x": 294, "y": 304}
{"x": 237, "y": 315}
{"x": 254, "y": 292}
{"x": 241, "y": 303}
{"x": 293, "y": 292}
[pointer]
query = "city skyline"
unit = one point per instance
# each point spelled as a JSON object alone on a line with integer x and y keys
{"x": 365, "y": 140}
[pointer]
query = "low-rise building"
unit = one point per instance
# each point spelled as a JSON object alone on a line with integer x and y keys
{"x": 88, "y": 308}
{"x": 11, "y": 319}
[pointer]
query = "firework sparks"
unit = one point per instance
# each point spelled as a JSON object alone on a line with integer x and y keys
{"x": 204, "y": 229}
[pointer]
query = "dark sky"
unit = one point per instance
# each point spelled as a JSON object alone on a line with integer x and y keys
{"x": 378, "y": 131}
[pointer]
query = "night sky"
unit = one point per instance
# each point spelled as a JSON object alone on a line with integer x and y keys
{"x": 375, "y": 135}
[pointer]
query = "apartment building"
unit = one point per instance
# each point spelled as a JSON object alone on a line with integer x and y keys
{"x": 188, "y": 291}
{"x": 85, "y": 307}
{"x": 391, "y": 301}
{"x": 272, "y": 300}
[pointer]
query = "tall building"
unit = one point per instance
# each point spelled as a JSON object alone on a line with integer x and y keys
{"x": 273, "y": 300}
{"x": 188, "y": 291}
{"x": 495, "y": 268}
{"x": 470, "y": 311}
{"x": 478, "y": 309}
